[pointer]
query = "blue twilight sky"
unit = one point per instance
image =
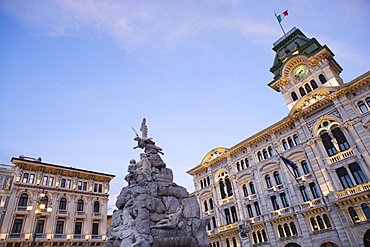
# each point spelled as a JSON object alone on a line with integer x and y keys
{"x": 76, "y": 75}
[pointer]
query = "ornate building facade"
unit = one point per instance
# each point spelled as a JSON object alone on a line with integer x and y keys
{"x": 55, "y": 205}
{"x": 303, "y": 181}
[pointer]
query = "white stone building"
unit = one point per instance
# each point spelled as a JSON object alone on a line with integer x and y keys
{"x": 324, "y": 201}
{"x": 77, "y": 200}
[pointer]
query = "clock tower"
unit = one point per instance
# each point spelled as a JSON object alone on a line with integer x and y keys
{"x": 305, "y": 72}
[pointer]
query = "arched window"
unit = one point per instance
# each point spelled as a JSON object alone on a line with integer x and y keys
{"x": 302, "y": 92}
{"x": 293, "y": 228}
{"x": 326, "y": 221}
{"x": 308, "y": 88}
{"x": 313, "y": 84}
{"x": 341, "y": 139}
{"x": 242, "y": 164}
{"x": 296, "y": 139}
{"x": 326, "y": 140}
{"x": 227, "y": 243}
{"x": 305, "y": 167}
{"x": 368, "y": 101}
{"x": 205, "y": 206}
{"x": 294, "y": 96}
{"x": 314, "y": 225}
{"x": 208, "y": 181}
{"x": 63, "y": 203}
{"x": 255, "y": 241}
{"x": 363, "y": 108}
{"x": 245, "y": 190}
{"x": 265, "y": 154}
{"x": 287, "y": 230}
{"x": 314, "y": 190}
{"x": 285, "y": 144}
{"x": 304, "y": 193}
{"x": 234, "y": 242}
{"x": 264, "y": 237}
{"x": 366, "y": 210}
{"x": 353, "y": 214}
{"x": 80, "y": 205}
{"x": 268, "y": 181}
{"x": 214, "y": 222}
{"x": 250, "y": 211}
{"x": 320, "y": 222}
{"x": 228, "y": 187}
{"x": 259, "y": 236}
{"x": 281, "y": 231}
{"x": 246, "y": 163}
{"x": 344, "y": 177}
{"x": 322, "y": 79}
{"x": 284, "y": 200}
{"x": 296, "y": 172}
{"x": 201, "y": 184}
{"x": 238, "y": 166}
{"x": 259, "y": 155}
{"x": 251, "y": 186}
{"x": 96, "y": 207}
{"x": 357, "y": 173}
{"x": 275, "y": 203}
{"x": 271, "y": 152}
{"x": 277, "y": 177}
{"x": 222, "y": 188}
{"x": 23, "y": 200}
{"x": 227, "y": 216}
{"x": 290, "y": 141}
{"x": 257, "y": 208}
{"x": 210, "y": 203}
{"x": 234, "y": 214}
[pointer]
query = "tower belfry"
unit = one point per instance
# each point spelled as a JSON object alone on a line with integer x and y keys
{"x": 305, "y": 72}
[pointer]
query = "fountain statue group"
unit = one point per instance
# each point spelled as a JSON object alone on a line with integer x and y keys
{"x": 153, "y": 211}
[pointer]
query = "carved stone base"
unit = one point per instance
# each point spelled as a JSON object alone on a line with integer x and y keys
{"x": 174, "y": 242}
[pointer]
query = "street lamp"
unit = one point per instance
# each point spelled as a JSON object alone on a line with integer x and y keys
{"x": 42, "y": 202}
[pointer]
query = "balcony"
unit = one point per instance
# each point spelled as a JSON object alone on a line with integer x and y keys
{"x": 80, "y": 214}
{"x": 352, "y": 191}
{"x": 311, "y": 203}
{"x": 62, "y": 212}
{"x": 280, "y": 212}
{"x": 16, "y": 235}
{"x": 79, "y": 236}
{"x": 96, "y": 215}
{"x": 228, "y": 227}
{"x": 340, "y": 156}
{"x": 60, "y": 236}
{"x": 226, "y": 200}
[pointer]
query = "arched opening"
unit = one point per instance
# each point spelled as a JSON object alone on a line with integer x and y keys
{"x": 329, "y": 244}
{"x": 292, "y": 245}
{"x": 367, "y": 239}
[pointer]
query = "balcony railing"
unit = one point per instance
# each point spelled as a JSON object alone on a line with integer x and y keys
{"x": 352, "y": 191}
{"x": 78, "y": 236}
{"x": 16, "y": 235}
{"x": 80, "y": 213}
{"x": 227, "y": 227}
{"x": 340, "y": 156}
{"x": 311, "y": 203}
{"x": 60, "y": 236}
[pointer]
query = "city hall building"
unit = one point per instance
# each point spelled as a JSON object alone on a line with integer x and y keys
{"x": 303, "y": 181}
{"x": 45, "y": 204}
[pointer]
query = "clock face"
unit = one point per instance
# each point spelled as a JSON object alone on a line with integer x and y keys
{"x": 300, "y": 72}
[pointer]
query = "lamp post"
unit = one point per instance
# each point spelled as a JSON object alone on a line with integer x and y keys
{"x": 42, "y": 202}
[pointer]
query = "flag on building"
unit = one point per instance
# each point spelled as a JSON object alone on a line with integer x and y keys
{"x": 288, "y": 162}
{"x": 282, "y": 15}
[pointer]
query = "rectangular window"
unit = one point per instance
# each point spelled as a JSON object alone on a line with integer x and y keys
{"x": 40, "y": 226}
{"x": 84, "y": 187}
{"x": 79, "y": 187}
{"x": 274, "y": 202}
{"x": 250, "y": 212}
{"x": 304, "y": 193}
{"x": 344, "y": 178}
{"x": 25, "y": 177}
{"x": 63, "y": 183}
{"x": 95, "y": 229}
{"x": 357, "y": 173}
{"x": 17, "y": 226}
{"x": 45, "y": 181}
{"x": 228, "y": 217}
{"x": 284, "y": 200}
{"x": 78, "y": 228}
{"x": 32, "y": 179}
{"x": 59, "y": 227}
{"x": 100, "y": 190}
{"x": 51, "y": 181}
{"x": 68, "y": 184}
{"x": 257, "y": 208}
{"x": 95, "y": 188}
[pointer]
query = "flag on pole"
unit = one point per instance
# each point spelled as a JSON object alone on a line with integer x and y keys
{"x": 282, "y": 15}
{"x": 289, "y": 162}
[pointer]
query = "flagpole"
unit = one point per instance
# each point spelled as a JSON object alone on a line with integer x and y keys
{"x": 288, "y": 168}
{"x": 280, "y": 25}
